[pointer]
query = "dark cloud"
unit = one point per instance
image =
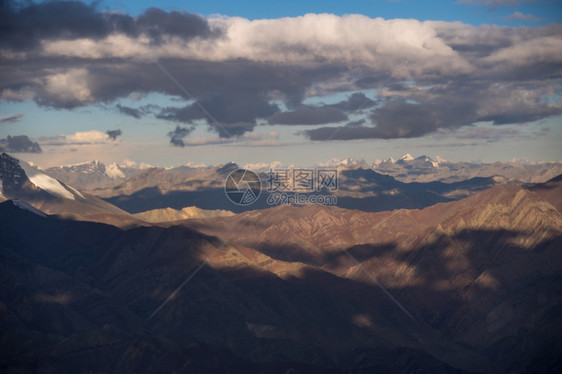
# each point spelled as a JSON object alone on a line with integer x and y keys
{"x": 156, "y": 22}
{"x": 19, "y": 144}
{"x": 113, "y": 134}
{"x": 446, "y": 107}
{"x": 484, "y": 73}
{"x": 308, "y": 115}
{"x": 22, "y": 26}
{"x": 133, "y": 112}
{"x": 11, "y": 119}
{"x": 178, "y": 134}
{"x": 228, "y": 114}
{"x": 359, "y": 122}
{"x": 357, "y": 101}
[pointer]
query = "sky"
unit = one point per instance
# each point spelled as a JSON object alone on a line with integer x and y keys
{"x": 297, "y": 82}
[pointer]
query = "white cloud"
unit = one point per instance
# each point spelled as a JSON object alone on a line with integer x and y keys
{"x": 312, "y": 38}
{"x": 261, "y": 166}
{"x": 547, "y": 49}
{"x": 523, "y": 17}
{"x": 21, "y": 94}
{"x": 78, "y": 138}
{"x": 72, "y": 86}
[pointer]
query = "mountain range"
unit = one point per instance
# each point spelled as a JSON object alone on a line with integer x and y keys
{"x": 21, "y": 181}
{"x": 465, "y": 286}
{"x": 96, "y": 175}
{"x": 363, "y": 189}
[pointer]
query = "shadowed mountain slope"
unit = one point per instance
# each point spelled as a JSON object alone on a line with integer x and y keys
{"x": 291, "y": 287}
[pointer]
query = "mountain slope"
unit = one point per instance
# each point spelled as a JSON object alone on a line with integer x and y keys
{"x": 362, "y": 189}
{"x": 93, "y": 174}
{"x": 21, "y": 181}
{"x": 291, "y": 287}
{"x": 425, "y": 169}
{"x": 484, "y": 270}
{"x": 169, "y": 214}
{"x": 84, "y": 296}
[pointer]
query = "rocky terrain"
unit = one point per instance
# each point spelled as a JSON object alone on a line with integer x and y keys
{"x": 426, "y": 169}
{"x": 465, "y": 286}
{"x": 21, "y": 181}
{"x": 170, "y": 214}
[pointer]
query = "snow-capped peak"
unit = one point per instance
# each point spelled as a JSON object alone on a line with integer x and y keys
{"x": 44, "y": 182}
{"x": 114, "y": 171}
{"x": 353, "y": 162}
{"x": 407, "y": 157}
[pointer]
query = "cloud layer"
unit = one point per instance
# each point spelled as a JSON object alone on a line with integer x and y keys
{"x": 19, "y": 144}
{"x": 421, "y": 76}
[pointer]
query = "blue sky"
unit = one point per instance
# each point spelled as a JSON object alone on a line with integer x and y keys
{"x": 444, "y": 10}
{"x": 484, "y": 84}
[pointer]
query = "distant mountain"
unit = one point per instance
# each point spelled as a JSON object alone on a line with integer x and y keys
{"x": 290, "y": 289}
{"x": 93, "y": 174}
{"x": 359, "y": 188}
{"x": 425, "y": 169}
{"x": 20, "y": 181}
{"x": 484, "y": 271}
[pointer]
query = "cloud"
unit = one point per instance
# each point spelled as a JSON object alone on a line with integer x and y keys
{"x": 228, "y": 114}
{"x": 478, "y": 132}
{"x": 133, "y": 112}
{"x": 248, "y": 139}
{"x": 308, "y": 115}
{"x": 178, "y": 134}
{"x": 439, "y": 107}
{"x": 19, "y": 144}
{"x": 26, "y": 27}
{"x": 67, "y": 89}
{"x": 523, "y": 17}
{"x": 80, "y": 138}
{"x": 357, "y": 101}
{"x": 12, "y": 118}
{"x": 113, "y": 134}
{"x": 427, "y": 75}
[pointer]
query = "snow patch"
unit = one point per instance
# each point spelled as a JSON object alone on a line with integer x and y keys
{"x": 407, "y": 157}
{"x": 25, "y": 206}
{"x": 113, "y": 171}
{"x": 76, "y": 192}
{"x": 46, "y": 183}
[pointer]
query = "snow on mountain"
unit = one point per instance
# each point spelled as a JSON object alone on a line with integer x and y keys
{"x": 114, "y": 171}
{"x": 130, "y": 164}
{"x": 25, "y": 206}
{"x": 407, "y": 157}
{"x": 350, "y": 162}
{"x": 95, "y": 174}
{"x": 44, "y": 182}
